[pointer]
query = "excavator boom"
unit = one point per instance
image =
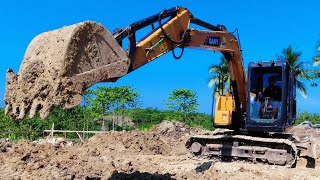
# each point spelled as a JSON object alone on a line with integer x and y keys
{"x": 60, "y": 64}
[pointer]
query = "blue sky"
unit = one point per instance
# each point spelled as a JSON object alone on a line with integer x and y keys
{"x": 265, "y": 27}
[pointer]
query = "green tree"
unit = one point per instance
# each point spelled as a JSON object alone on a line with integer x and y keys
{"x": 183, "y": 101}
{"x": 112, "y": 100}
{"x": 293, "y": 58}
{"x": 124, "y": 98}
{"x": 306, "y": 116}
{"x": 106, "y": 99}
{"x": 86, "y": 96}
{"x": 101, "y": 101}
{"x": 220, "y": 78}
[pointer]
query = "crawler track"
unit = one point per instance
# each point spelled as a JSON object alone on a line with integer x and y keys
{"x": 257, "y": 149}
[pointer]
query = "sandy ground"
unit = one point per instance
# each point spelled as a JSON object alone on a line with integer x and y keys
{"x": 158, "y": 154}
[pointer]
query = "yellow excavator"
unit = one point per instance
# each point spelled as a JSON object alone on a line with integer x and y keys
{"x": 60, "y": 64}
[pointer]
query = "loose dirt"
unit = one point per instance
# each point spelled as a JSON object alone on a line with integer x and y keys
{"x": 59, "y": 65}
{"x": 157, "y": 154}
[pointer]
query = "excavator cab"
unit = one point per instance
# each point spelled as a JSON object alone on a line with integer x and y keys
{"x": 271, "y": 100}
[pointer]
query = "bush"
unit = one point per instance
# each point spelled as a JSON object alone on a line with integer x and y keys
{"x": 306, "y": 116}
{"x": 80, "y": 118}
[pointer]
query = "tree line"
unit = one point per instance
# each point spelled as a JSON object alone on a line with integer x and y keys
{"x": 103, "y": 107}
{"x": 110, "y": 108}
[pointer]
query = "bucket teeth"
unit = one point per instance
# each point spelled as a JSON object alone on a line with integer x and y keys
{"x": 59, "y": 65}
{"x": 35, "y": 105}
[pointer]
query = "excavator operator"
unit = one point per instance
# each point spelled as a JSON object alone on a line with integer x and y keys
{"x": 271, "y": 93}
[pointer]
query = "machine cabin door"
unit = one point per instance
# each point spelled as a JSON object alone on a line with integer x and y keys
{"x": 267, "y": 96}
{"x": 291, "y": 97}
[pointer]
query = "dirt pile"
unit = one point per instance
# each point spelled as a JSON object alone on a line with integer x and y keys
{"x": 59, "y": 65}
{"x": 157, "y": 154}
{"x": 4, "y": 144}
{"x": 173, "y": 130}
{"x": 167, "y": 138}
{"x": 112, "y": 155}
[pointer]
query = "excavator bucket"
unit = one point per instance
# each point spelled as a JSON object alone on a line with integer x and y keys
{"x": 59, "y": 65}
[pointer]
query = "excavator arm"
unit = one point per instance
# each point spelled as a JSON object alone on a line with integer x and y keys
{"x": 176, "y": 32}
{"x": 94, "y": 55}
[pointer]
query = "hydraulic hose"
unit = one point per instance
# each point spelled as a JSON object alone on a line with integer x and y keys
{"x": 183, "y": 39}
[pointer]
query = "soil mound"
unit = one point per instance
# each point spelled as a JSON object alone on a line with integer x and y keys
{"x": 157, "y": 154}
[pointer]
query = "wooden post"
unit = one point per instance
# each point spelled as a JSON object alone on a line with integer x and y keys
{"x": 83, "y": 137}
{"x": 30, "y": 133}
{"x": 79, "y": 137}
{"x": 113, "y": 121}
{"x": 52, "y": 129}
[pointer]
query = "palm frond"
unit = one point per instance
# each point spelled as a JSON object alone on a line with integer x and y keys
{"x": 302, "y": 65}
{"x": 316, "y": 60}
{"x": 221, "y": 75}
{"x": 291, "y": 56}
{"x": 214, "y": 69}
{"x": 217, "y": 89}
{"x": 302, "y": 89}
{"x": 213, "y": 80}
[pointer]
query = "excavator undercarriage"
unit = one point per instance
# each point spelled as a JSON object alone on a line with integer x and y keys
{"x": 268, "y": 148}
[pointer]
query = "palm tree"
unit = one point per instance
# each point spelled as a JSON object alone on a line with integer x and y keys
{"x": 220, "y": 77}
{"x": 316, "y": 60}
{"x": 292, "y": 58}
